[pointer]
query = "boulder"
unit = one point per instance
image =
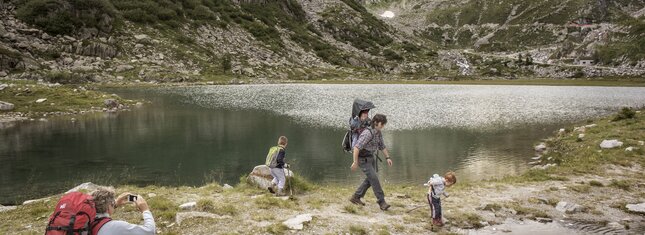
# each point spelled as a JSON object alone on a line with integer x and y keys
{"x": 188, "y": 206}
{"x": 6, "y": 106}
{"x": 87, "y": 187}
{"x": 41, "y": 100}
{"x": 636, "y": 208}
{"x": 609, "y": 144}
{"x": 111, "y": 103}
{"x": 181, "y": 216}
{"x": 296, "y": 223}
{"x": 540, "y": 147}
{"x": 3, "y": 86}
{"x": 227, "y": 187}
{"x": 261, "y": 176}
{"x": 123, "y": 68}
{"x": 568, "y": 207}
{"x": 3, "y": 74}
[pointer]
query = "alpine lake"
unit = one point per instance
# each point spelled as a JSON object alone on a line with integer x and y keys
{"x": 193, "y": 135}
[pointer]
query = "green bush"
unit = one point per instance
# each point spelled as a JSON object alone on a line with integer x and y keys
{"x": 625, "y": 113}
{"x": 67, "y": 16}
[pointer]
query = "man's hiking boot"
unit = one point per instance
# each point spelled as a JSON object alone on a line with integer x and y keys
{"x": 271, "y": 190}
{"x": 356, "y": 201}
{"x": 384, "y": 206}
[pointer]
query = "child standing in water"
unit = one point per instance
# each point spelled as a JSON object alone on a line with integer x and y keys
{"x": 275, "y": 161}
{"x": 436, "y": 189}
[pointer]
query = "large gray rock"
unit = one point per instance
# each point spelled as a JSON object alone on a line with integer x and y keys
{"x": 636, "y": 208}
{"x": 296, "y": 223}
{"x": 568, "y": 207}
{"x": 261, "y": 176}
{"x": 6, "y": 106}
{"x": 609, "y": 144}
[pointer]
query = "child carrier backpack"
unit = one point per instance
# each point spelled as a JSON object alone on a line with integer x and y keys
{"x": 272, "y": 157}
{"x": 75, "y": 213}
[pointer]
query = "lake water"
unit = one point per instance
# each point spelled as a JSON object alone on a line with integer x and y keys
{"x": 194, "y": 135}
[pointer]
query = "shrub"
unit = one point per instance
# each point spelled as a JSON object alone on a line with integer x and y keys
{"x": 67, "y": 16}
{"x": 625, "y": 113}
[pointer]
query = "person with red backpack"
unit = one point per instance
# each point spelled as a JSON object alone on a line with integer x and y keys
{"x": 105, "y": 206}
{"x": 79, "y": 213}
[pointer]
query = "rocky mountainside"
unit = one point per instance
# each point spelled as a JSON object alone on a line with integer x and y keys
{"x": 71, "y": 41}
{"x": 549, "y": 31}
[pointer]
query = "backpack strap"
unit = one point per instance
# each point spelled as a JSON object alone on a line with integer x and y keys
{"x": 98, "y": 223}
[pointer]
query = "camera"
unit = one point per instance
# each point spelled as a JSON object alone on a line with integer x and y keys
{"x": 132, "y": 198}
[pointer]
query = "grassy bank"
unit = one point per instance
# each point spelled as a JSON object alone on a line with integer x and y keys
{"x": 60, "y": 99}
{"x": 600, "y": 181}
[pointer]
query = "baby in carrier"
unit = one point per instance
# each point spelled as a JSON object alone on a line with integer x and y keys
{"x": 358, "y": 124}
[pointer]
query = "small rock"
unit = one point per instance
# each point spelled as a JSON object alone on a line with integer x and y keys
{"x": 640, "y": 142}
{"x": 3, "y": 74}
{"x": 636, "y": 208}
{"x": 35, "y": 200}
{"x": 68, "y": 38}
{"x": 580, "y": 136}
{"x": 124, "y": 67}
{"x": 73, "y": 119}
{"x": 138, "y": 45}
{"x": 543, "y": 220}
{"x": 630, "y": 148}
{"x": 227, "y": 187}
{"x": 567, "y": 207}
{"x": 296, "y": 223}
{"x": 590, "y": 125}
{"x": 111, "y": 103}
{"x": 540, "y": 147}
{"x": 150, "y": 195}
{"x": 45, "y": 36}
{"x": 119, "y": 77}
{"x": 536, "y": 158}
{"x": 608, "y": 144}
{"x": 561, "y": 131}
{"x": 6, "y": 106}
{"x": 141, "y": 37}
{"x": 188, "y": 206}
{"x": 3, "y": 86}
{"x": 41, "y": 100}
{"x": 400, "y": 195}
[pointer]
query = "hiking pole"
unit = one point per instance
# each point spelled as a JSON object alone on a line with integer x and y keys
{"x": 417, "y": 207}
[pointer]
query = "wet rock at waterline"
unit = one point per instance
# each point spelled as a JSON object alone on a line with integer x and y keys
{"x": 636, "y": 208}
{"x": 6, "y": 106}
{"x": 41, "y": 100}
{"x": 540, "y": 147}
{"x": 261, "y": 176}
{"x": 568, "y": 207}
{"x": 111, "y": 103}
{"x": 609, "y": 144}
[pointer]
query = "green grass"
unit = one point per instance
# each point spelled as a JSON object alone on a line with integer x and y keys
{"x": 596, "y": 183}
{"x": 621, "y": 184}
{"x": 63, "y": 98}
{"x": 164, "y": 208}
{"x": 357, "y": 230}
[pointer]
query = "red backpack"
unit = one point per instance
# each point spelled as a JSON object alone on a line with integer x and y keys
{"x": 75, "y": 214}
